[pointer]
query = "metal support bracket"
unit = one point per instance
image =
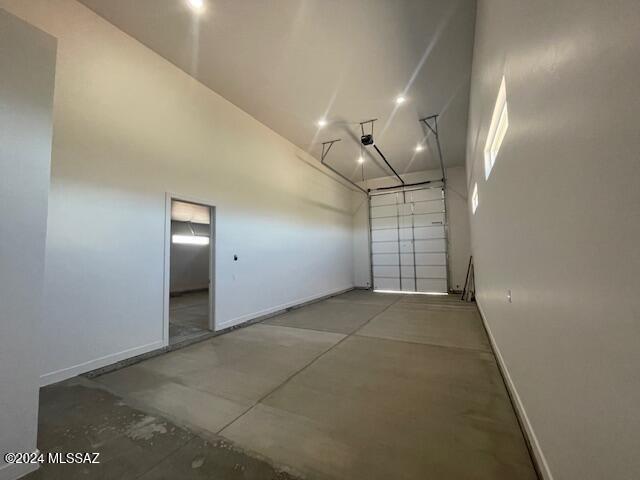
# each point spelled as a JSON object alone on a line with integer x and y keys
{"x": 432, "y": 124}
{"x": 326, "y": 146}
{"x": 362, "y": 124}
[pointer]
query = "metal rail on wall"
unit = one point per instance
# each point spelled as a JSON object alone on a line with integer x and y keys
{"x": 431, "y": 122}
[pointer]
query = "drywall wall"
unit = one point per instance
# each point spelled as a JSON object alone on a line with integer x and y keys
{"x": 27, "y": 63}
{"x": 129, "y": 127}
{"x": 189, "y": 269}
{"x": 558, "y": 224}
{"x": 458, "y": 220}
{"x": 361, "y": 248}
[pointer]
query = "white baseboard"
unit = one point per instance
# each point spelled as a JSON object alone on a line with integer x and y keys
{"x": 69, "y": 372}
{"x": 267, "y": 311}
{"x": 13, "y": 471}
{"x": 538, "y": 455}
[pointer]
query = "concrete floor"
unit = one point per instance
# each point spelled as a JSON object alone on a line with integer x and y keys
{"x": 188, "y": 316}
{"x": 359, "y": 386}
{"x": 80, "y": 416}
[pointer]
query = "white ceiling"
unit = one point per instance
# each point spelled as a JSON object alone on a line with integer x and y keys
{"x": 289, "y": 63}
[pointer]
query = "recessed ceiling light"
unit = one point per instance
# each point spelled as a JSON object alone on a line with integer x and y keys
{"x": 419, "y": 148}
{"x": 322, "y": 123}
{"x": 400, "y": 99}
{"x": 360, "y": 159}
{"x": 196, "y": 4}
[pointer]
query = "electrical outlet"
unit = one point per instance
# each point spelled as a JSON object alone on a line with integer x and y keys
{"x": 509, "y": 295}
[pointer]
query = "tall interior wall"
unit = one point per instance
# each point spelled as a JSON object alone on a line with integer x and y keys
{"x": 129, "y": 127}
{"x": 558, "y": 224}
{"x": 27, "y": 63}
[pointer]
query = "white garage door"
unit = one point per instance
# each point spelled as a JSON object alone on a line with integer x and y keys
{"x": 408, "y": 240}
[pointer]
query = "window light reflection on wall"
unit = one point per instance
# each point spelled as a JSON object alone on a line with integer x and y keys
{"x": 497, "y": 130}
{"x": 474, "y": 198}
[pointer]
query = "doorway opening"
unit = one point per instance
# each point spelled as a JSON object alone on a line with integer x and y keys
{"x": 191, "y": 255}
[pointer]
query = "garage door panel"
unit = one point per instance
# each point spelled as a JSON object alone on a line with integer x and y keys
{"x": 405, "y": 209}
{"x": 406, "y": 221}
{"x": 422, "y": 246}
{"x": 386, "y": 283}
{"x": 384, "y": 247}
{"x": 408, "y": 284}
{"x": 407, "y": 271}
{"x": 406, "y": 234}
{"x": 406, "y": 247}
{"x": 384, "y": 259}
{"x": 428, "y": 259}
{"x": 421, "y": 220}
{"x": 384, "y": 211}
{"x": 407, "y": 259}
{"x": 384, "y": 235}
{"x": 392, "y": 271}
{"x": 430, "y": 246}
{"x": 427, "y": 233}
{"x": 423, "y": 271}
{"x": 428, "y": 219}
{"x": 434, "y": 206}
{"x": 384, "y": 222}
{"x": 424, "y": 194}
{"x": 387, "y": 199}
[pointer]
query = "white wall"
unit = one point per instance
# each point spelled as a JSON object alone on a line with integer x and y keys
{"x": 27, "y": 63}
{"x": 361, "y": 249}
{"x": 558, "y": 223}
{"x": 189, "y": 268}
{"x": 457, "y": 217}
{"x": 128, "y": 127}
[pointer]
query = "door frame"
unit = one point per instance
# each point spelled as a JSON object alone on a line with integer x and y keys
{"x": 169, "y": 197}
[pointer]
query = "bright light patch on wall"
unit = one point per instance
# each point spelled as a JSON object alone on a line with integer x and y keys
{"x": 400, "y": 100}
{"x": 410, "y": 293}
{"x": 474, "y": 198}
{"x": 190, "y": 239}
{"x": 419, "y": 148}
{"x": 360, "y": 159}
{"x": 497, "y": 130}
{"x": 197, "y": 5}
{"x": 322, "y": 123}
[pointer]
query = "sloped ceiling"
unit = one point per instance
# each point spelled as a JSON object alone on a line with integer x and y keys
{"x": 289, "y": 63}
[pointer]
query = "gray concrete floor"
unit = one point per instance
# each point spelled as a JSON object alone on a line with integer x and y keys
{"x": 188, "y": 316}
{"x": 80, "y": 416}
{"x": 360, "y": 386}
